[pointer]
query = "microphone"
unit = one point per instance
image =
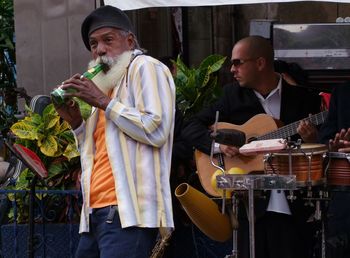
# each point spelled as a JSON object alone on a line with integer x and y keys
{"x": 230, "y": 137}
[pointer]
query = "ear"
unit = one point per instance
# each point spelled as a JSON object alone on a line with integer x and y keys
{"x": 261, "y": 63}
{"x": 131, "y": 41}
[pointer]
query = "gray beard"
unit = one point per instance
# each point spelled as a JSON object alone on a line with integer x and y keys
{"x": 117, "y": 69}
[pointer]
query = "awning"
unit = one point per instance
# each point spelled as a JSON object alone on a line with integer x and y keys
{"x": 138, "y": 4}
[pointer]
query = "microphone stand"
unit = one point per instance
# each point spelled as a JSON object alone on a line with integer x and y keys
{"x": 31, "y": 217}
{"x": 31, "y": 199}
{"x": 220, "y": 160}
{"x": 234, "y": 210}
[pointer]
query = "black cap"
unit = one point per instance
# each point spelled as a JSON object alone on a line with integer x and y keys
{"x": 105, "y": 16}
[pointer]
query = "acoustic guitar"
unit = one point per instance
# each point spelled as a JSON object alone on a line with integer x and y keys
{"x": 259, "y": 127}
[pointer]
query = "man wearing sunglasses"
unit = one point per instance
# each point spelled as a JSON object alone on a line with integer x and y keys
{"x": 259, "y": 89}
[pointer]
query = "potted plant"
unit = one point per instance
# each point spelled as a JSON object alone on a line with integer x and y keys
{"x": 197, "y": 87}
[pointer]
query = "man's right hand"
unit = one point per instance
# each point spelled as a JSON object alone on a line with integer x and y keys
{"x": 228, "y": 151}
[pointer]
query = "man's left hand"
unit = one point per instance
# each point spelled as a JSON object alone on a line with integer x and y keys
{"x": 307, "y": 131}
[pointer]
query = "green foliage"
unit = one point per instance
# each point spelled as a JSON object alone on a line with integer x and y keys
{"x": 50, "y": 138}
{"x": 7, "y": 21}
{"x": 53, "y": 141}
{"x": 7, "y": 47}
{"x": 8, "y": 101}
{"x": 46, "y": 135}
{"x": 197, "y": 87}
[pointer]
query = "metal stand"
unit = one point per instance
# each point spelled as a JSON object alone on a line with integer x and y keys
{"x": 235, "y": 202}
{"x": 319, "y": 216}
{"x": 251, "y": 220}
{"x": 31, "y": 197}
{"x": 234, "y": 211}
{"x": 233, "y": 216}
{"x": 252, "y": 183}
{"x": 31, "y": 217}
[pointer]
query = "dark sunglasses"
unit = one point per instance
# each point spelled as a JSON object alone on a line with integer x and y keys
{"x": 238, "y": 62}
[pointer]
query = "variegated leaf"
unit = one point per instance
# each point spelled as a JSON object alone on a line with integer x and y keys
{"x": 71, "y": 151}
{"x": 49, "y": 146}
{"x": 24, "y": 131}
{"x": 51, "y": 120}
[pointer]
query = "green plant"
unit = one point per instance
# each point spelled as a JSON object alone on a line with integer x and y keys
{"x": 7, "y": 47}
{"x": 53, "y": 141}
{"x": 8, "y": 97}
{"x": 46, "y": 134}
{"x": 197, "y": 87}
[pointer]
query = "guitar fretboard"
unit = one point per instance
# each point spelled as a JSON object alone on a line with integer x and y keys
{"x": 291, "y": 129}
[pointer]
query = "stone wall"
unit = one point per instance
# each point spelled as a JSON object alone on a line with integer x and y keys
{"x": 49, "y": 48}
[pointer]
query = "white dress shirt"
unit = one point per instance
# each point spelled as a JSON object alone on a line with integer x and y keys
{"x": 272, "y": 106}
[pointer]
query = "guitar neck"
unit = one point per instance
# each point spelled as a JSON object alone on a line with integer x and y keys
{"x": 291, "y": 129}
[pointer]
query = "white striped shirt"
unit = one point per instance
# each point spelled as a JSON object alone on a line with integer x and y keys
{"x": 139, "y": 136}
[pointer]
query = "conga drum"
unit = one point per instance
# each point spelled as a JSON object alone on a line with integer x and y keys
{"x": 305, "y": 162}
{"x": 337, "y": 169}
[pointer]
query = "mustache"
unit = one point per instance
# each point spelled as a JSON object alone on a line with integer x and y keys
{"x": 109, "y": 61}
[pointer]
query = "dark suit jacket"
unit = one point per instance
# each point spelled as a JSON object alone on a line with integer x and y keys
{"x": 339, "y": 113}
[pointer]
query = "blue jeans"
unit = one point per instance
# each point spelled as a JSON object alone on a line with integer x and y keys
{"x": 108, "y": 239}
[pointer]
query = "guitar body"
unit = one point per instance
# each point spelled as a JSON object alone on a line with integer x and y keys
{"x": 254, "y": 127}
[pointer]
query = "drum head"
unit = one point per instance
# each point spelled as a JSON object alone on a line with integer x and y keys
{"x": 306, "y": 148}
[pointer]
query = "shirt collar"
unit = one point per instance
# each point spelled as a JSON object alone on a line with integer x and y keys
{"x": 277, "y": 90}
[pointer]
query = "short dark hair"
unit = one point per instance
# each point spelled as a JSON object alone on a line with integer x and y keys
{"x": 259, "y": 47}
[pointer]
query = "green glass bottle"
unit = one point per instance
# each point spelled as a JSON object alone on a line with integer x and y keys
{"x": 57, "y": 96}
{"x": 92, "y": 72}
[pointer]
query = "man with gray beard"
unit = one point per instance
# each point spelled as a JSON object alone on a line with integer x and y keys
{"x": 125, "y": 144}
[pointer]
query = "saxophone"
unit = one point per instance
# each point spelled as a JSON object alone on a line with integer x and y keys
{"x": 162, "y": 243}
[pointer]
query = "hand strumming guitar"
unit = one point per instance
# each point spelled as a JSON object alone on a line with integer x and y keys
{"x": 229, "y": 151}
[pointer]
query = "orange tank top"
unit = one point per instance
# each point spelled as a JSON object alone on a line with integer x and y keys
{"x": 102, "y": 188}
